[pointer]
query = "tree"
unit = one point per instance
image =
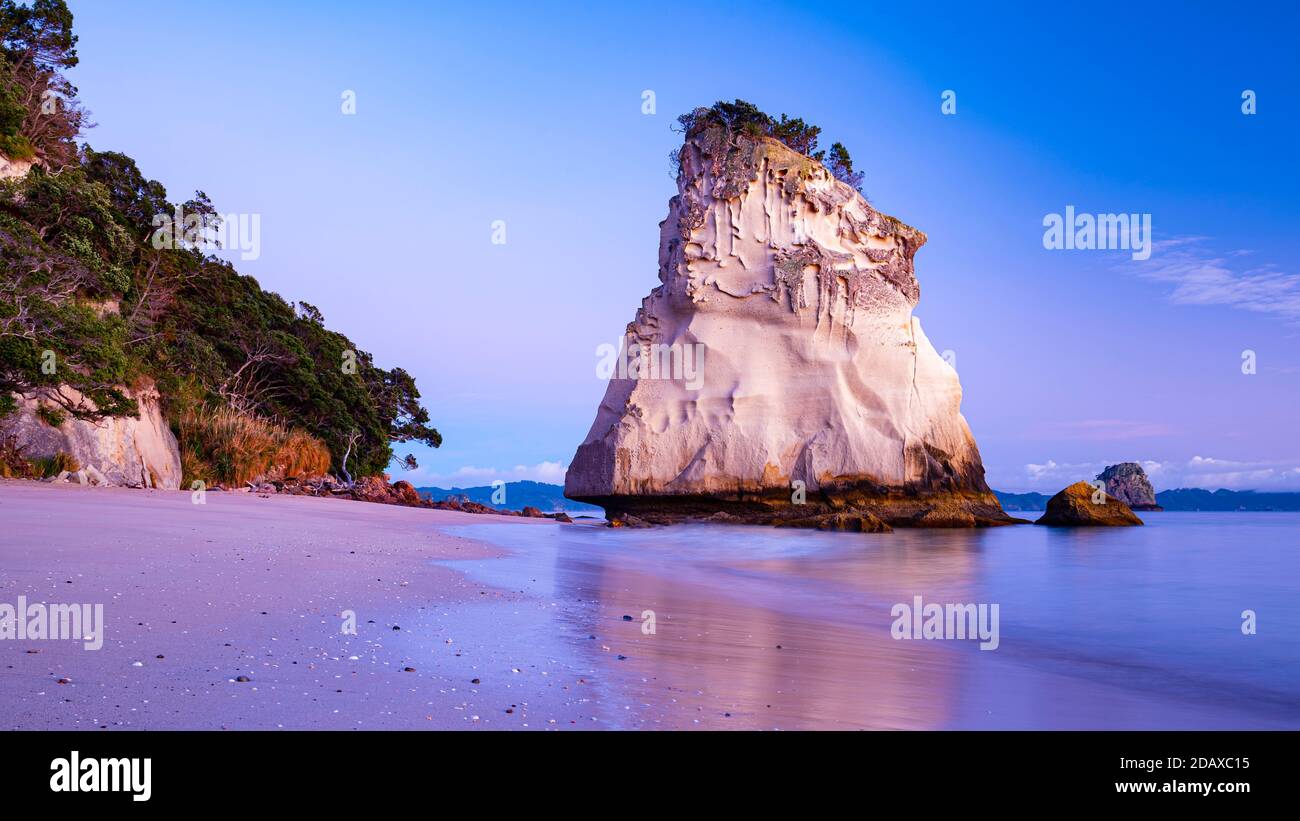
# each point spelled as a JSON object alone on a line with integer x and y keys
{"x": 36, "y": 46}
{"x": 64, "y": 258}
{"x": 352, "y": 439}
{"x": 398, "y": 402}
{"x": 797, "y": 134}
{"x": 841, "y": 167}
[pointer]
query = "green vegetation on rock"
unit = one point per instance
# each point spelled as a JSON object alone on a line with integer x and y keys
{"x": 744, "y": 118}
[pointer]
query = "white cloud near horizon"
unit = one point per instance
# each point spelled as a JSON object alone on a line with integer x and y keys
{"x": 473, "y": 476}
{"x": 1205, "y": 472}
{"x": 1201, "y": 276}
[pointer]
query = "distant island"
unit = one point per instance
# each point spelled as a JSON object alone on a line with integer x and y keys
{"x": 550, "y": 498}
{"x": 544, "y": 497}
{"x": 1181, "y": 499}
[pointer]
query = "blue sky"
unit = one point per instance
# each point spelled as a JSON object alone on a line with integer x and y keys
{"x": 1069, "y": 359}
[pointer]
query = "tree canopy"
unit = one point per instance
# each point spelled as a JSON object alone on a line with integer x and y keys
{"x": 87, "y": 302}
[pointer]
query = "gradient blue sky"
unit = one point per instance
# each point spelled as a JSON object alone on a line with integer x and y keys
{"x": 1069, "y": 360}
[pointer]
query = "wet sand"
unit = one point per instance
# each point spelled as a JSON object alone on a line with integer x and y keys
{"x": 761, "y": 628}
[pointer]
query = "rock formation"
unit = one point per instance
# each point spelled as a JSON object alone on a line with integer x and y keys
{"x": 10, "y": 169}
{"x": 1076, "y": 506}
{"x": 782, "y": 374}
{"x": 136, "y": 451}
{"x": 1128, "y": 483}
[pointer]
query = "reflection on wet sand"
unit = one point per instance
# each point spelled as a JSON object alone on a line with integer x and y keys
{"x": 759, "y": 628}
{"x": 719, "y": 657}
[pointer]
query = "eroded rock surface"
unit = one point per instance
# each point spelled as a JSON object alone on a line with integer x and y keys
{"x": 1128, "y": 482}
{"x": 137, "y": 451}
{"x": 815, "y": 391}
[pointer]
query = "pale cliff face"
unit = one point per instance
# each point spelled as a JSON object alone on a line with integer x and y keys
{"x": 10, "y": 169}
{"x": 134, "y": 451}
{"x": 800, "y": 296}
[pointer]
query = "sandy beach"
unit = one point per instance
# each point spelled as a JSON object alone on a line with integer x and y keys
{"x": 231, "y": 615}
{"x": 196, "y": 596}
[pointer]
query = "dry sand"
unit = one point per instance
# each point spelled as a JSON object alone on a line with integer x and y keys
{"x": 196, "y": 596}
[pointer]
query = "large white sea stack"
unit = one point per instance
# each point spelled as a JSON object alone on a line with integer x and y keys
{"x": 817, "y": 390}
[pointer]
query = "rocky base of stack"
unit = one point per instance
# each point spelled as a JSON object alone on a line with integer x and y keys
{"x": 823, "y": 510}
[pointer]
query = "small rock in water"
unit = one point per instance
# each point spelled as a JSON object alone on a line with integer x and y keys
{"x": 473, "y": 681}
{"x": 242, "y": 678}
{"x": 627, "y": 618}
{"x": 408, "y": 669}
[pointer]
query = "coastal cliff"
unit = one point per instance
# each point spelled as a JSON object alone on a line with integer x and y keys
{"x": 130, "y": 451}
{"x": 777, "y": 372}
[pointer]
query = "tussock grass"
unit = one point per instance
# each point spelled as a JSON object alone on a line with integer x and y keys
{"x": 56, "y": 464}
{"x": 14, "y": 464}
{"x": 222, "y": 446}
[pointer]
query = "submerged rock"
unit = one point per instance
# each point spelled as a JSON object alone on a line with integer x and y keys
{"x": 627, "y": 520}
{"x": 1128, "y": 482}
{"x": 850, "y": 522}
{"x": 777, "y": 370}
{"x": 1076, "y": 507}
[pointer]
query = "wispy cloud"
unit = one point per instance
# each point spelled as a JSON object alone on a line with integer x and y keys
{"x": 1202, "y": 276}
{"x": 1101, "y": 429}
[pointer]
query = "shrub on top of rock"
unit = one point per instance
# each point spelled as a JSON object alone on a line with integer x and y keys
{"x": 743, "y": 117}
